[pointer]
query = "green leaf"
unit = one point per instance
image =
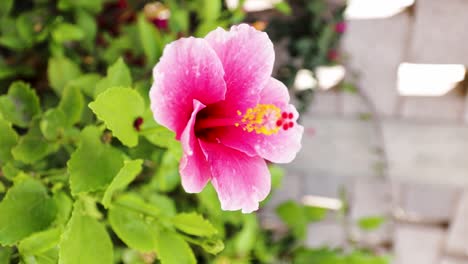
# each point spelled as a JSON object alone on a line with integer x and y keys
{"x": 48, "y": 257}
{"x": 172, "y": 249}
{"x": 277, "y": 174}
{"x": 67, "y": 32}
{"x": 125, "y": 176}
{"x": 93, "y": 6}
{"x": 25, "y": 209}
{"x": 117, "y": 75}
{"x": 64, "y": 208}
{"x": 359, "y": 257}
{"x": 283, "y": 7}
{"x": 53, "y": 124}
{"x": 10, "y": 172}
{"x": 86, "y": 83}
{"x": 72, "y": 104}
{"x": 119, "y": 107}
{"x": 294, "y": 216}
{"x": 322, "y": 256}
{"x": 5, "y": 253}
{"x": 164, "y": 203}
{"x": 245, "y": 239}
{"x": 88, "y": 25}
{"x": 212, "y": 245}
{"x": 8, "y": 140}
{"x": 25, "y": 29}
{"x": 315, "y": 214}
{"x": 194, "y": 224}
{"x": 85, "y": 240}
{"x": 150, "y": 39}
{"x": 371, "y": 223}
{"x": 20, "y": 105}
{"x": 211, "y": 10}
{"x": 160, "y": 136}
{"x": 93, "y": 165}
{"x": 133, "y": 228}
{"x": 5, "y": 7}
{"x": 32, "y": 147}
{"x": 60, "y": 71}
{"x": 40, "y": 242}
{"x": 167, "y": 176}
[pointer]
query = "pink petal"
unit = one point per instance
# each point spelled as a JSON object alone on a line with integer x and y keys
{"x": 240, "y": 181}
{"x": 247, "y": 56}
{"x": 194, "y": 169}
{"x": 189, "y": 69}
{"x": 279, "y": 148}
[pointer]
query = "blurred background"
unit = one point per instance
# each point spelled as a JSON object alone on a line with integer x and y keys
{"x": 382, "y": 91}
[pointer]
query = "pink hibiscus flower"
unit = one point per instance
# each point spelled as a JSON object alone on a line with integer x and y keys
{"x": 218, "y": 96}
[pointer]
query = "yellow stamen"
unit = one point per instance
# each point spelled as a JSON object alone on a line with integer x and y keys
{"x": 261, "y": 119}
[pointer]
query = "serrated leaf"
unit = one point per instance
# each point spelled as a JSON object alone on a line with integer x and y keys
{"x": 172, "y": 249}
{"x": 67, "y": 32}
{"x": 93, "y": 165}
{"x": 125, "y": 176}
{"x": 40, "y": 242}
{"x": 118, "y": 75}
{"x": 53, "y": 124}
{"x": 20, "y": 105}
{"x": 85, "y": 240}
{"x": 60, "y": 71}
{"x": 72, "y": 104}
{"x": 119, "y": 107}
{"x": 25, "y": 209}
{"x": 132, "y": 227}
{"x": 8, "y": 140}
{"x": 150, "y": 39}
{"x": 32, "y": 147}
{"x": 194, "y": 224}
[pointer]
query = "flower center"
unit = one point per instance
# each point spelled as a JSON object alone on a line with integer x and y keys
{"x": 264, "y": 119}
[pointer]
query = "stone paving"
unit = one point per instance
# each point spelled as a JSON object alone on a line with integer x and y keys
{"x": 419, "y": 182}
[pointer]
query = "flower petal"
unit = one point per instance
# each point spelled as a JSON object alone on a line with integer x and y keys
{"x": 194, "y": 169}
{"x": 189, "y": 69}
{"x": 247, "y": 56}
{"x": 279, "y": 148}
{"x": 240, "y": 181}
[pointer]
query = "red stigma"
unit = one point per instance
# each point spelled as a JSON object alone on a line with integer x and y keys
{"x": 285, "y": 126}
{"x": 291, "y": 124}
{"x": 137, "y": 123}
{"x": 279, "y": 123}
{"x": 284, "y": 115}
{"x": 290, "y": 116}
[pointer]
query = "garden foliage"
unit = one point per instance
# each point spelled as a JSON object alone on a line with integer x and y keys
{"x": 86, "y": 175}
